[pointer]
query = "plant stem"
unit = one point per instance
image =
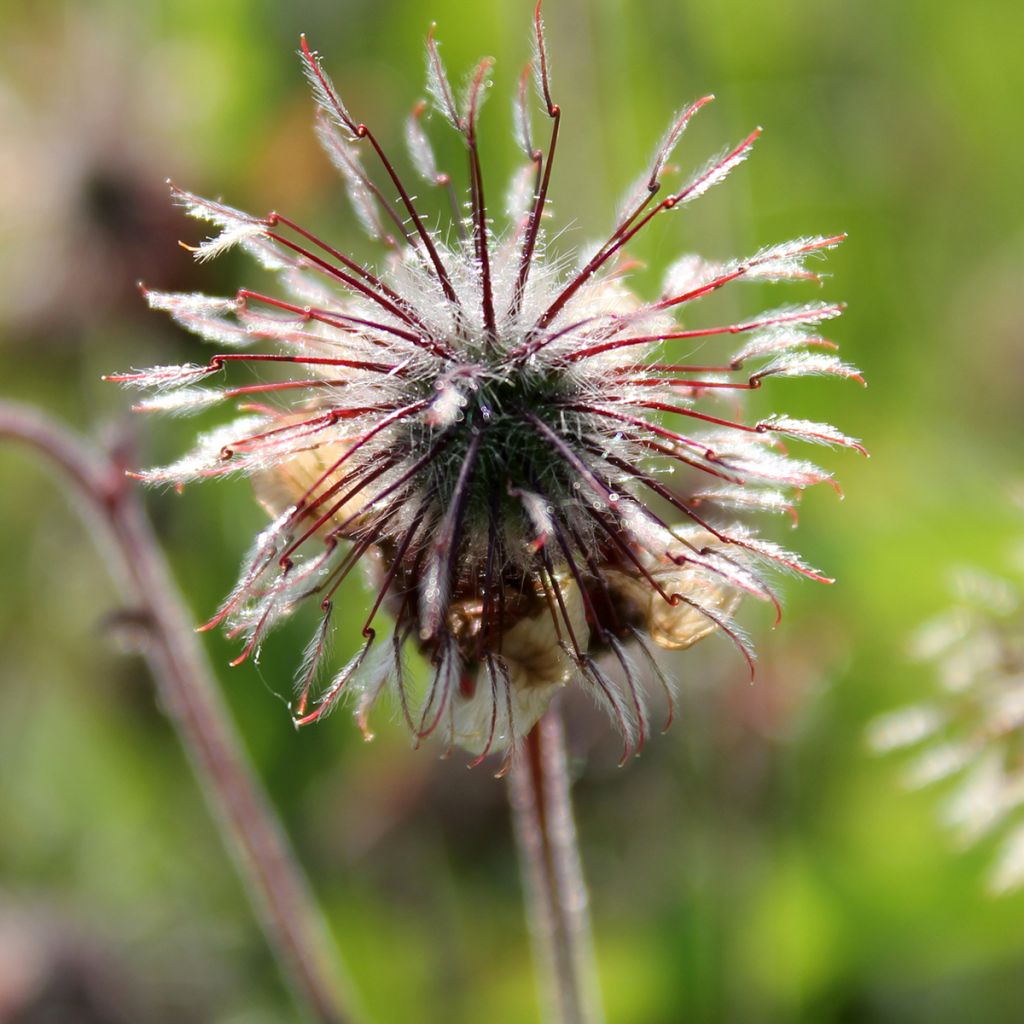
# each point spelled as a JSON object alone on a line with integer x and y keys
{"x": 274, "y": 881}
{"x": 556, "y": 894}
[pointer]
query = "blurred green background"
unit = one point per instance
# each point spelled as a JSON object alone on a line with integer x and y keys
{"x": 756, "y": 864}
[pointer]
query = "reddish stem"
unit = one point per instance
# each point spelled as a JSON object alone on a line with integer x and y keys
{"x": 272, "y": 877}
{"x": 556, "y": 894}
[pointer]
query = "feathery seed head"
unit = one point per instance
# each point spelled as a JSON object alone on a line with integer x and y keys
{"x": 474, "y": 424}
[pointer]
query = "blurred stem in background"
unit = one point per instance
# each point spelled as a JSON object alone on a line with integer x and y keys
{"x": 556, "y": 895}
{"x": 275, "y": 883}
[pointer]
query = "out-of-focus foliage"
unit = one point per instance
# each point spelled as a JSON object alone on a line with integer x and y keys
{"x": 755, "y": 865}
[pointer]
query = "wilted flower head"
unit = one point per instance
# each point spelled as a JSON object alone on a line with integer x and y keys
{"x": 478, "y": 423}
{"x": 972, "y": 729}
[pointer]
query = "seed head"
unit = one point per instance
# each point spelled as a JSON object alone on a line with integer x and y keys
{"x": 484, "y": 428}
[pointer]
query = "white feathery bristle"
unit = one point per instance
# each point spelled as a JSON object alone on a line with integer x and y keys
{"x": 689, "y": 273}
{"x": 206, "y": 456}
{"x": 268, "y": 255}
{"x": 182, "y": 401}
{"x": 189, "y": 303}
{"x": 671, "y": 138}
{"x": 712, "y": 173}
{"x": 227, "y": 239}
{"x": 210, "y": 210}
{"x": 480, "y": 91}
{"x": 263, "y": 551}
{"x": 633, "y": 196}
{"x": 234, "y": 223}
{"x": 184, "y": 470}
{"x": 809, "y": 430}
{"x": 273, "y": 325}
{"x": 739, "y": 635}
{"x": 326, "y": 95}
{"x": 519, "y": 197}
{"x": 162, "y": 378}
{"x": 383, "y": 666}
{"x": 216, "y": 330}
{"x": 421, "y": 151}
{"x": 786, "y": 260}
{"x": 777, "y": 555}
{"x": 522, "y": 128}
{"x": 539, "y": 57}
{"x": 647, "y": 531}
{"x": 610, "y": 699}
{"x": 808, "y": 364}
{"x": 728, "y": 568}
{"x": 641, "y": 188}
{"x": 439, "y": 87}
{"x": 255, "y": 622}
{"x": 761, "y": 464}
{"x": 315, "y": 655}
{"x": 739, "y": 497}
{"x": 806, "y": 313}
{"x": 306, "y": 289}
{"x": 202, "y": 315}
{"x": 775, "y": 340}
{"x": 346, "y": 162}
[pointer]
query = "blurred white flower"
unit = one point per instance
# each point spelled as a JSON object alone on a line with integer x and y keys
{"x": 972, "y": 729}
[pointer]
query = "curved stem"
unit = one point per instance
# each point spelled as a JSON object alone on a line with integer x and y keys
{"x": 556, "y": 894}
{"x": 274, "y": 881}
